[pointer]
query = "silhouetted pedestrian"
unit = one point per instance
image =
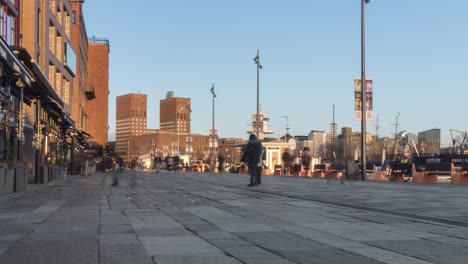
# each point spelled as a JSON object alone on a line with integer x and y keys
{"x": 221, "y": 160}
{"x": 253, "y": 152}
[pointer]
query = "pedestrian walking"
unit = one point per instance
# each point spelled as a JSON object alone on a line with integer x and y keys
{"x": 306, "y": 158}
{"x": 221, "y": 160}
{"x": 158, "y": 163}
{"x": 287, "y": 161}
{"x": 253, "y": 152}
{"x": 176, "y": 163}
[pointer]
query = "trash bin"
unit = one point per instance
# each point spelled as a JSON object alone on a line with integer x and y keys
{"x": 352, "y": 170}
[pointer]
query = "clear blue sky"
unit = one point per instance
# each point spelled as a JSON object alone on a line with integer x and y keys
{"x": 416, "y": 52}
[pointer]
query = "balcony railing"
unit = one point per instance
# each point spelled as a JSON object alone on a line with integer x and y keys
{"x": 95, "y": 40}
{"x": 90, "y": 95}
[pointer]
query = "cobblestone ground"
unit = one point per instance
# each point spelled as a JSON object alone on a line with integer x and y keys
{"x": 172, "y": 218}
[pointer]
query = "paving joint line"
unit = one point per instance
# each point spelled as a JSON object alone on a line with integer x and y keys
{"x": 360, "y": 207}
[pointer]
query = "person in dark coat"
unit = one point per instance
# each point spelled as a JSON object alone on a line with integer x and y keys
{"x": 306, "y": 158}
{"x": 221, "y": 160}
{"x": 253, "y": 152}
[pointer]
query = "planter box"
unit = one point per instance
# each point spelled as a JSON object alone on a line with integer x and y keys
{"x": 43, "y": 174}
{"x": 9, "y": 180}
{"x": 2, "y": 181}
{"x": 20, "y": 179}
{"x": 56, "y": 173}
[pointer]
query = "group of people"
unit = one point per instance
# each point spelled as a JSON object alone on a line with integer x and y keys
{"x": 253, "y": 156}
{"x": 171, "y": 162}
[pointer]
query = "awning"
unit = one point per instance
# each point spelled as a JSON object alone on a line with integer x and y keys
{"x": 14, "y": 63}
{"x": 41, "y": 86}
{"x": 67, "y": 120}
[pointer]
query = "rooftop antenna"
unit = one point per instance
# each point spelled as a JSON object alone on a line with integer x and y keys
{"x": 333, "y": 128}
{"x": 287, "y": 126}
{"x": 396, "y": 125}
{"x": 377, "y": 127}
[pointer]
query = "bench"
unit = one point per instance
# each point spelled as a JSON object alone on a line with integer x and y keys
{"x": 462, "y": 176}
{"x": 297, "y": 169}
{"x": 335, "y": 171}
{"x": 381, "y": 175}
{"x": 464, "y": 169}
{"x": 432, "y": 171}
{"x": 438, "y": 169}
{"x": 278, "y": 170}
{"x": 319, "y": 170}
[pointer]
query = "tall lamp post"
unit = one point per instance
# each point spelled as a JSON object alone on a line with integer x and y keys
{"x": 213, "y": 95}
{"x": 259, "y": 66}
{"x": 363, "y": 94}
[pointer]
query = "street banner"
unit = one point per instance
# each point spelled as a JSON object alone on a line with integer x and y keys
{"x": 358, "y": 100}
{"x": 260, "y": 134}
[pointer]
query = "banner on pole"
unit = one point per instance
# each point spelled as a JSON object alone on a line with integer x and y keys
{"x": 358, "y": 100}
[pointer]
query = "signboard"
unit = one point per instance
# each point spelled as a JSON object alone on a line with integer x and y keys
{"x": 210, "y": 142}
{"x": 358, "y": 100}
{"x": 260, "y": 134}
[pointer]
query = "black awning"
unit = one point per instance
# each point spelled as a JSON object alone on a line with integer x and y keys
{"x": 41, "y": 86}
{"x": 14, "y": 63}
{"x": 67, "y": 120}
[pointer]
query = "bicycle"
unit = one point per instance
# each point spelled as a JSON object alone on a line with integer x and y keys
{"x": 397, "y": 170}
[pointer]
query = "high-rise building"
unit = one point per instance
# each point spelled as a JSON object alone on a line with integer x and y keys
{"x": 429, "y": 141}
{"x": 130, "y": 121}
{"x": 98, "y": 76}
{"x": 175, "y": 114}
{"x": 319, "y": 143}
{"x": 80, "y": 82}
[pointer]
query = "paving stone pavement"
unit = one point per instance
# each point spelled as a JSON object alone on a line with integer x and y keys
{"x": 176, "y": 218}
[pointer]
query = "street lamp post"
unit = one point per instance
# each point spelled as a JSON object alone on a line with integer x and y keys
{"x": 363, "y": 93}
{"x": 259, "y": 66}
{"x": 213, "y": 95}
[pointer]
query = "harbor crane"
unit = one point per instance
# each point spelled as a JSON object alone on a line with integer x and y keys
{"x": 460, "y": 140}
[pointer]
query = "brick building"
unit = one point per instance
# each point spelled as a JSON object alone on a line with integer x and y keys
{"x": 80, "y": 82}
{"x": 45, "y": 47}
{"x": 98, "y": 77}
{"x": 130, "y": 121}
{"x": 175, "y": 114}
{"x": 135, "y": 140}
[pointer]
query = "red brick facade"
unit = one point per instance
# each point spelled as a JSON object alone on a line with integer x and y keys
{"x": 98, "y": 77}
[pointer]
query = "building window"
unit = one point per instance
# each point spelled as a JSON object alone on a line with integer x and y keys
{"x": 66, "y": 92}
{"x": 2, "y": 22}
{"x": 52, "y": 5}
{"x": 11, "y": 38}
{"x": 58, "y": 84}
{"x": 51, "y": 75}
{"x": 67, "y": 24}
{"x": 59, "y": 16}
{"x": 52, "y": 39}
{"x": 73, "y": 17}
{"x": 59, "y": 48}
